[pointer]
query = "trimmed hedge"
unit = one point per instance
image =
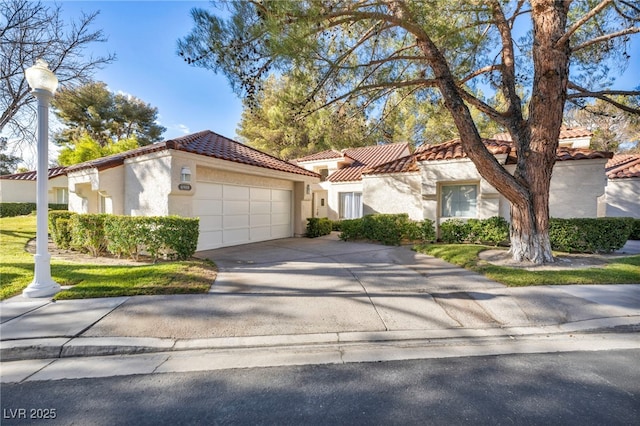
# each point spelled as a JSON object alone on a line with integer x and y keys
{"x": 318, "y": 226}
{"x": 87, "y": 233}
{"x": 60, "y": 228}
{"x": 172, "y": 237}
{"x": 21, "y": 209}
{"x": 601, "y": 235}
{"x": 490, "y": 231}
{"x": 389, "y": 229}
{"x": 635, "y": 232}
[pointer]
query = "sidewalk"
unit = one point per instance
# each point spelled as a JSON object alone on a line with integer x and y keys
{"x": 314, "y": 294}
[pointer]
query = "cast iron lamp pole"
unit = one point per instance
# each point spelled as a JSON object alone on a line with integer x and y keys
{"x": 43, "y": 85}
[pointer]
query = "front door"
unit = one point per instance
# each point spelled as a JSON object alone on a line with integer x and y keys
{"x": 320, "y": 204}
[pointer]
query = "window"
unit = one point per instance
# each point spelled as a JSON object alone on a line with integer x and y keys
{"x": 105, "y": 204}
{"x": 350, "y": 205}
{"x": 62, "y": 195}
{"x": 459, "y": 200}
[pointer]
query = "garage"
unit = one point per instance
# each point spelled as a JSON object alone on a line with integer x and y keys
{"x": 236, "y": 214}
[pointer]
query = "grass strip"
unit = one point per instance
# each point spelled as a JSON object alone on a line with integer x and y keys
{"x": 89, "y": 280}
{"x": 619, "y": 270}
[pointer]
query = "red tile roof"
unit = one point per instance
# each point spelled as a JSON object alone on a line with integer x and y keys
{"x": 623, "y": 166}
{"x": 453, "y": 150}
{"x": 31, "y": 175}
{"x": 366, "y": 157}
{"x": 565, "y": 133}
{"x": 329, "y": 154}
{"x": 206, "y": 143}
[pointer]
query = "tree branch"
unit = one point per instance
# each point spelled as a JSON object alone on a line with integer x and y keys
{"x": 576, "y": 25}
{"x": 606, "y": 37}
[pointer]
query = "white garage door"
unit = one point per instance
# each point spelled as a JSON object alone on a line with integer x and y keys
{"x": 232, "y": 214}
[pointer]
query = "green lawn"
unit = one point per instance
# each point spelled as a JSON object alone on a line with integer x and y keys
{"x": 92, "y": 279}
{"x": 624, "y": 270}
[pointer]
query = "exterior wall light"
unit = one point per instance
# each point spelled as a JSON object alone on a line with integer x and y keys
{"x": 185, "y": 175}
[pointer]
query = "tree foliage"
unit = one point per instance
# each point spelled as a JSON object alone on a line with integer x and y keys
{"x": 276, "y": 125}
{"x": 33, "y": 30}
{"x": 364, "y": 51}
{"x": 86, "y": 149}
{"x": 8, "y": 163}
{"x": 613, "y": 129}
{"x": 91, "y": 109}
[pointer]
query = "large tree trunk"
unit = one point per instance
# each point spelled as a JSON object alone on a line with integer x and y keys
{"x": 535, "y": 139}
{"x": 537, "y": 145}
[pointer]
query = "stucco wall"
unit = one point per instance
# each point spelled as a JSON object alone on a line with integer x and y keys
{"x": 393, "y": 193}
{"x": 438, "y": 173}
{"x": 24, "y": 191}
{"x": 147, "y": 184}
{"x": 623, "y": 198}
{"x": 333, "y": 199}
{"x": 575, "y": 188}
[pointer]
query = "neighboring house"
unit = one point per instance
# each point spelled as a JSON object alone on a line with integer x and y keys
{"x": 440, "y": 182}
{"x": 623, "y": 186}
{"x": 21, "y": 187}
{"x": 340, "y": 194}
{"x": 240, "y": 194}
{"x": 570, "y": 137}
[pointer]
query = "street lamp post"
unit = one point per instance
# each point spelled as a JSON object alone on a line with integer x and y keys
{"x": 43, "y": 85}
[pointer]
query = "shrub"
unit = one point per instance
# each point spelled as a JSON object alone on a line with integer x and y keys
{"x": 88, "y": 233}
{"x": 427, "y": 230}
{"x": 21, "y": 209}
{"x": 124, "y": 235}
{"x": 172, "y": 237}
{"x": 635, "y": 232}
{"x": 493, "y": 231}
{"x": 318, "y": 226}
{"x": 63, "y": 234}
{"x": 584, "y": 235}
{"x": 454, "y": 231}
{"x": 351, "y": 229}
{"x": 336, "y": 225}
{"x": 390, "y": 229}
{"x": 59, "y": 228}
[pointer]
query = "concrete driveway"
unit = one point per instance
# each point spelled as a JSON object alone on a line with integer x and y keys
{"x": 323, "y": 285}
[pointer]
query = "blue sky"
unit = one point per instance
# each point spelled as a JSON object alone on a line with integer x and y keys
{"x": 143, "y": 35}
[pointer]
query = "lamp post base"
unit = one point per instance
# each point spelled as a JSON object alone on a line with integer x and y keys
{"x": 35, "y": 290}
{"x": 42, "y": 284}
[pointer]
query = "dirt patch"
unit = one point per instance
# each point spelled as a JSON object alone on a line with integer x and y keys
{"x": 562, "y": 262}
{"x": 78, "y": 257}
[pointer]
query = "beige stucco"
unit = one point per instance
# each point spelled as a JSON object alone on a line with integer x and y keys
{"x": 435, "y": 174}
{"x": 576, "y": 187}
{"x": 623, "y": 197}
{"x": 333, "y": 196}
{"x": 24, "y": 191}
{"x": 87, "y": 187}
{"x": 393, "y": 193}
{"x": 150, "y": 185}
{"x": 577, "y": 190}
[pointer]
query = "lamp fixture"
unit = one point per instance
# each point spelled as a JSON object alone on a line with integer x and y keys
{"x": 185, "y": 174}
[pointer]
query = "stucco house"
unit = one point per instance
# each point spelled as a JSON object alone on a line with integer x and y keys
{"x": 440, "y": 182}
{"x": 339, "y": 195}
{"x": 240, "y": 194}
{"x": 623, "y": 186}
{"x": 21, "y": 187}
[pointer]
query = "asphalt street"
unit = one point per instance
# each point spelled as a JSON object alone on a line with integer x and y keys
{"x": 570, "y": 388}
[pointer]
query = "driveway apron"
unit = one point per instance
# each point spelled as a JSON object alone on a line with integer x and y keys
{"x": 300, "y": 285}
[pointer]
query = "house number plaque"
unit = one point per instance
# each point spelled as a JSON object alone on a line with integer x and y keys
{"x": 184, "y": 187}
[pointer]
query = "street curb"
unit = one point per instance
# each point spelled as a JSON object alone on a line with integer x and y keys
{"x": 65, "y": 347}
